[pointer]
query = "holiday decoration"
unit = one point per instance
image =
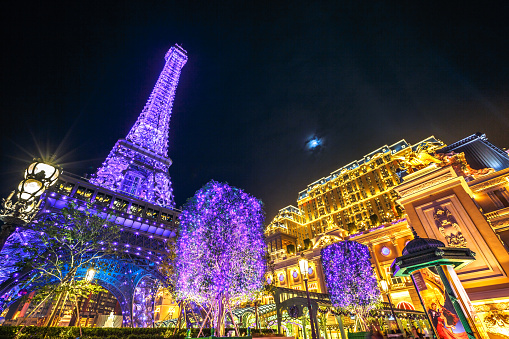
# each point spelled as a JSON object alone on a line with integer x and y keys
{"x": 349, "y": 277}
{"x": 220, "y": 251}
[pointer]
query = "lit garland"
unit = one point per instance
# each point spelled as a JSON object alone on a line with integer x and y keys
{"x": 349, "y": 277}
{"x": 220, "y": 250}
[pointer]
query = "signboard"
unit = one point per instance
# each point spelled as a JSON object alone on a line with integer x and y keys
{"x": 313, "y": 286}
{"x": 419, "y": 281}
{"x": 438, "y": 304}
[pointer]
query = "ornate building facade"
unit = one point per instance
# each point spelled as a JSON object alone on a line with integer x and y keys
{"x": 430, "y": 186}
{"x": 355, "y": 197}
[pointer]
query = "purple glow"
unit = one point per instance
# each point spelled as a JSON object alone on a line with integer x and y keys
{"x": 221, "y": 248}
{"x": 143, "y": 301}
{"x": 349, "y": 277}
{"x": 147, "y": 142}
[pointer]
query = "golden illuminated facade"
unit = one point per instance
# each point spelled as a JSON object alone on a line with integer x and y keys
{"x": 360, "y": 195}
{"x": 458, "y": 195}
{"x": 356, "y": 202}
{"x": 287, "y": 228}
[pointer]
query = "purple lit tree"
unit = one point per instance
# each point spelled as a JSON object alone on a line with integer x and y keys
{"x": 220, "y": 250}
{"x": 350, "y": 279}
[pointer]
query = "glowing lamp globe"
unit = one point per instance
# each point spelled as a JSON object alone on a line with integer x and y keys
{"x": 42, "y": 171}
{"x": 29, "y": 189}
{"x": 384, "y": 286}
{"x": 303, "y": 266}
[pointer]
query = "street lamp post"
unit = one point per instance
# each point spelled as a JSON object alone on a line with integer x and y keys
{"x": 38, "y": 177}
{"x": 304, "y": 266}
{"x": 384, "y": 286}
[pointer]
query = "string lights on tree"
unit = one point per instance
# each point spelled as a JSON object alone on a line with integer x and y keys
{"x": 349, "y": 277}
{"x": 220, "y": 251}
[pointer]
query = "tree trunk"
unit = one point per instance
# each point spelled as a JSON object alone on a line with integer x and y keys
{"x": 205, "y": 319}
{"x": 257, "y": 317}
{"x": 63, "y": 307}
{"x": 18, "y": 334}
{"x": 54, "y": 310}
{"x": 233, "y": 320}
{"x": 179, "y": 319}
{"x": 78, "y": 314}
{"x": 220, "y": 317}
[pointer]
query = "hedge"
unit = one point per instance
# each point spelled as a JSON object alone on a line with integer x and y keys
{"x": 32, "y": 332}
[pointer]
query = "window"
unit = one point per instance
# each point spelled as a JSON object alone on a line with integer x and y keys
{"x": 80, "y": 191}
{"x": 393, "y": 280}
{"x": 103, "y": 199}
{"x": 85, "y": 193}
{"x": 130, "y": 184}
{"x": 136, "y": 209}
{"x": 166, "y": 217}
{"x": 151, "y": 213}
{"x": 68, "y": 188}
{"x": 120, "y": 205}
{"x": 60, "y": 185}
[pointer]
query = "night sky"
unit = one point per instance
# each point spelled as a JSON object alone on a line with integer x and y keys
{"x": 262, "y": 79}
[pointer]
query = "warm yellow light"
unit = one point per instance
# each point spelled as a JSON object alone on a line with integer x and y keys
{"x": 90, "y": 275}
{"x": 30, "y": 186}
{"x": 303, "y": 266}
{"x": 384, "y": 286}
{"x": 46, "y": 172}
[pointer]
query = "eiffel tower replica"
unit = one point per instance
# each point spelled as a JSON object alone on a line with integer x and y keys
{"x": 139, "y": 165}
{"x": 134, "y": 185}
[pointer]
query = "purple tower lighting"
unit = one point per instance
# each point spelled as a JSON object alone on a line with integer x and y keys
{"x": 139, "y": 165}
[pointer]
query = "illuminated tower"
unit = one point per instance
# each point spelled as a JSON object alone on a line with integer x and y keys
{"x": 139, "y": 165}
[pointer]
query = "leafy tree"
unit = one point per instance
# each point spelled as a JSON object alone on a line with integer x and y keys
{"x": 69, "y": 241}
{"x": 220, "y": 250}
{"x": 349, "y": 277}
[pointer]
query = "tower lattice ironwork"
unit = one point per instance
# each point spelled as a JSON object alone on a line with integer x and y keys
{"x": 139, "y": 164}
{"x": 134, "y": 186}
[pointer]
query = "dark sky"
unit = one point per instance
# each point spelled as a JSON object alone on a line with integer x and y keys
{"x": 262, "y": 78}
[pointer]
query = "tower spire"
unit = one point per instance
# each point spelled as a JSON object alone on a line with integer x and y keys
{"x": 139, "y": 165}
{"x": 151, "y": 129}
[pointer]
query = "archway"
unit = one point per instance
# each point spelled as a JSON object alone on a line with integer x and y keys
{"x": 134, "y": 284}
